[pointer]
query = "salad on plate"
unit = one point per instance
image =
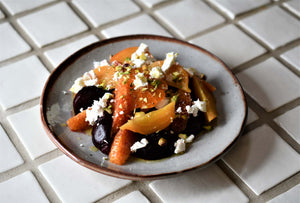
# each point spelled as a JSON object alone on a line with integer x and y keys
{"x": 139, "y": 106}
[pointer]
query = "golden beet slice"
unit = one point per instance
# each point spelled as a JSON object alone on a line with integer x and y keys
{"x": 151, "y": 122}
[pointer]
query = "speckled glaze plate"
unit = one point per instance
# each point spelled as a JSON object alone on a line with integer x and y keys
{"x": 56, "y": 109}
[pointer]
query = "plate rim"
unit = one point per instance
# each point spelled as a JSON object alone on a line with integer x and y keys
{"x": 98, "y": 168}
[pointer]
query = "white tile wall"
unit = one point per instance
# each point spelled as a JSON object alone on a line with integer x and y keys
{"x": 194, "y": 16}
{"x": 11, "y": 42}
{"x": 59, "y": 54}
{"x": 234, "y": 7}
{"x": 21, "y": 81}
{"x": 230, "y": 44}
{"x": 1, "y": 14}
{"x": 16, "y": 6}
{"x": 27, "y": 124}
{"x": 43, "y": 27}
{"x": 252, "y": 116}
{"x": 143, "y": 24}
{"x": 273, "y": 26}
{"x": 207, "y": 185}
{"x": 289, "y": 121}
{"x": 74, "y": 183}
{"x": 262, "y": 159}
{"x": 22, "y": 188}
{"x": 264, "y": 89}
{"x": 104, "y": 11}
{"x": 9, "y": 156}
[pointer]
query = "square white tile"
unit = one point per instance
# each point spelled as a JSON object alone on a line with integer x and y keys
{"x": 43, "y": 27}
{"x": 262, "y": 159}
{"x": 290, "y": 196}
{"x": 292, "y": 57}
{"x": 152, "y": 3}
{"x": 104, "y": 11}
{"x": 59, "y": 54}
{"x": 273, "y": 26}
{"x": 75, "y": 183}
{"x": 231, "y": 45}
{"x": 293, "y": 6}
{"x": 9, "y": 156}
{"x": 268, "y": 82}
{"x": 21, "y": 81}
{"x": 12, "y": 44}
{"x": 135, "y": 196}
{"x": 290, "y": 121}
{"x": 194, "y": 16}
{"x": 143, "y": 24}
{"x": 22, "y": 188}
{"x": 17, "y": 6}
{"x": 30, "y": 131}
{"x": 206, "y": 185}
{"x": 235, "y": 7}
{"x": 252, "y": 116}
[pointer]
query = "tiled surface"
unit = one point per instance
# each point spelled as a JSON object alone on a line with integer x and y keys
{"x": 216, "y": 187}
{"x": 264, "y": 89}
{"x": 27, "y": 124}
{"x": 11, "y": 42}
{"x": 229, "y": 43}
{"x": 134, "y": 196}
{"x": 21, "y": 81}
{"x": 291, "y": 196}
{"x": 234, "y": 7}
{"x": 59, "y": 54}
{"x": 293, "y": 6}
{"x": 9, "y": 157}
{"x": 292, "y": 57}
{"x": 273, "y": 26}
{"x": 263, "y": 155}
{"x": 289, "y": 121}
{"x": 258, "y": 39}
{"x": 143, "y": 24}
{"x": 100, "y": 12}
{"x": 15, "y": 6}
{"x": 60, "y": 173}
{"x": 43, "y": 27}
{"x": 22, "y": 188}
{"x": 184, "y": 22}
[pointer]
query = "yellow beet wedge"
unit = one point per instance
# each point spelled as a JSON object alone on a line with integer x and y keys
{"x": 204, "y": 94}
{"x": 151, "y": 122}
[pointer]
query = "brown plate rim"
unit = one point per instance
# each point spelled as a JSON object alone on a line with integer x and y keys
{"x": 71, "y": 59}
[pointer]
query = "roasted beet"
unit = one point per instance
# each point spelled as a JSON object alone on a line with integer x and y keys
{"x": 101, "y": 133}
{"x": 86, "y": 96}
{"x": 161, "y": 145}
{"x": 195, "y": 124}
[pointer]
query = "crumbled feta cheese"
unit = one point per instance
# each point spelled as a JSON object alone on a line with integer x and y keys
{"x": 97, "y": 109}
{"x": 169, "y": 61}
{"x": 121, "y": 112}
{"x": 78, "y": 85}
{"x": 190, "y": 138}
{"x": 104, "y": 62}
{"x": 140, "y": 81}
{"x": 142, "y": 49}
{"x": 179, "y": 110}
{"x": 138, "y": 62}
{"x": 88, "y": 79}
{"x": 179, "y": 146}
{"x": 197, "y": 106}
{"x": 138, "y": 145}
{"x": 140, "y": 57}
{"x": 156, "y": 73}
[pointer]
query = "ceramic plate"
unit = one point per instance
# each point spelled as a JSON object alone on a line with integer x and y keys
{"x": 56, "y": 108}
